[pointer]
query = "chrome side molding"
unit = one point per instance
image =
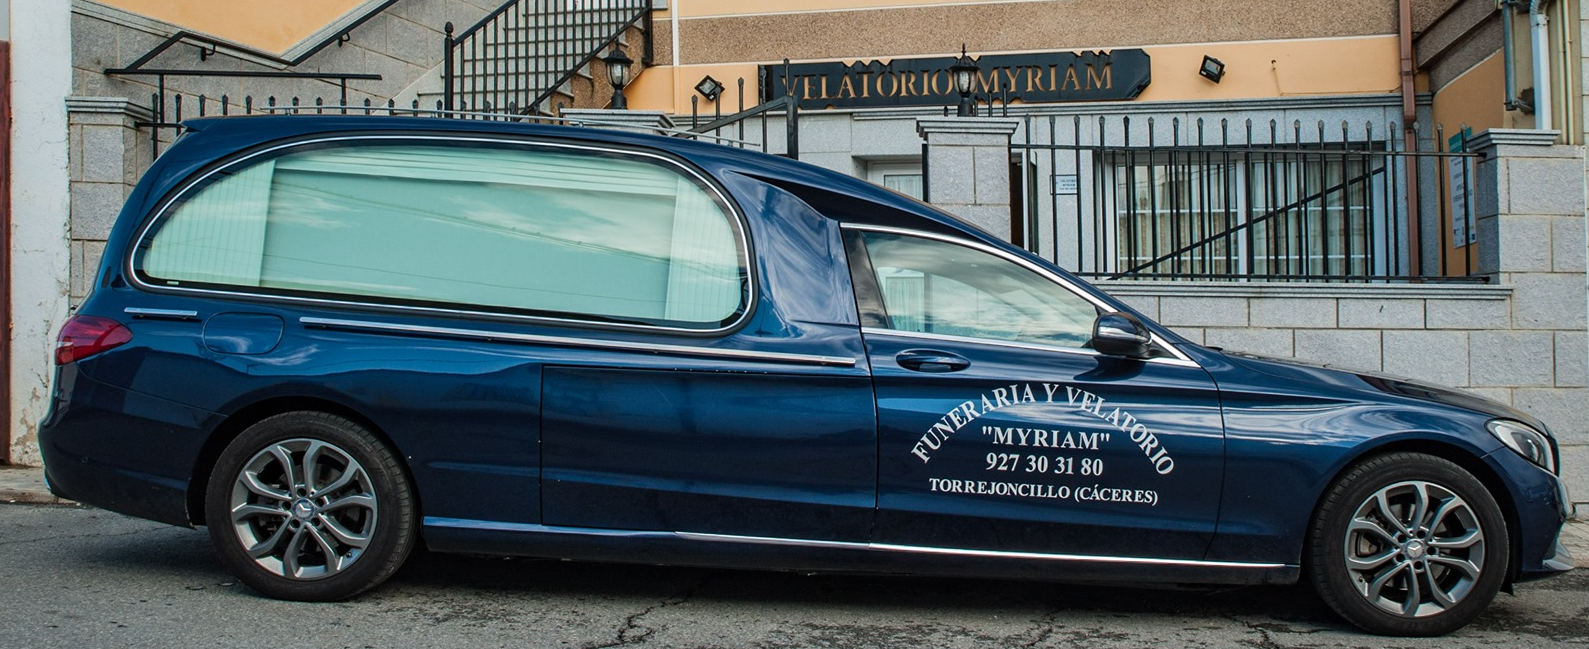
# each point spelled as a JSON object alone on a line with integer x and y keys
{"x": 586, "y": 343}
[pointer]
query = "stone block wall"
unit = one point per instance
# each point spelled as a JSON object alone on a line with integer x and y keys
{"x": 1461, "y": 336}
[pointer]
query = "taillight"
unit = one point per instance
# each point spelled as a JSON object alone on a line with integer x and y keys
{"x": 86, "y": 335}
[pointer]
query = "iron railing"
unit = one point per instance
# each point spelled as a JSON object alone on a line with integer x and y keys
{"x": 1123, "y": 198}
{"x": 785, "y": 105}
{"x": 518, "y": 56}
{"x": 179, "y": 107}
{"x": 208, "y": 47}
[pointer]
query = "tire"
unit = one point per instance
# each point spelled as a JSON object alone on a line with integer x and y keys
{"x": 328, "y": 533}
{"x": 1387, "y": 575}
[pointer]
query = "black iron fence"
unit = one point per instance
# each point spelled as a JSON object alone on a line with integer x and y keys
{"x": 784, "y": 107}
{"x": 1153, "y": 198}
{"x": 518, "y": 56}
{"x": 171, "y": 109}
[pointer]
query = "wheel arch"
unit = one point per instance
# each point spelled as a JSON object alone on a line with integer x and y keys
{"x": 1463, "y": 457}
{"x": 240, "y": 420}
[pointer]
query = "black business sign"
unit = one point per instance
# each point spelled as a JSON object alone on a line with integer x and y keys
{"x": 1031, "y": 78}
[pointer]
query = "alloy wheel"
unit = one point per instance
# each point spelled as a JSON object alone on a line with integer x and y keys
{"x": 1414, "y": 549}
{"x": 304, "y": 509}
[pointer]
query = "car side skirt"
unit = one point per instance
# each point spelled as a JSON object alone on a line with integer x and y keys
{"x": 755, "y": 552}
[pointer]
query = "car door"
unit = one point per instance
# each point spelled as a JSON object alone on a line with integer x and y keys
{"x": 1000, "y": 429}
{"x": 764, "y": 429}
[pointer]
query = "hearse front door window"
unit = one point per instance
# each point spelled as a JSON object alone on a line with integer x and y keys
{"x": 935, "y": 287}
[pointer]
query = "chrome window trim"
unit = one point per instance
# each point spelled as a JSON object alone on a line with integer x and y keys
{"x": 173, "y": 314}
{"x": 567, "y": 341}
{"x": 740, "y": 222}
{"x": 1024, "y": 263}
{"x": 994, "y": 342}
{"x": 461, "y": 523}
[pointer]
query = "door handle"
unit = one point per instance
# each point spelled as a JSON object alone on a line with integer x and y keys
{"x": 931, "y": 360}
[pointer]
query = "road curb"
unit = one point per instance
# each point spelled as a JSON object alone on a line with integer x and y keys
{"x": 25, "y": 485}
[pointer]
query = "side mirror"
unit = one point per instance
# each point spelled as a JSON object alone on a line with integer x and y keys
{"x": 1120, "y": 334}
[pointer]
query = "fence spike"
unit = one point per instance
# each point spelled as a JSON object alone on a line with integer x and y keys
{"x": 226, "y": 105}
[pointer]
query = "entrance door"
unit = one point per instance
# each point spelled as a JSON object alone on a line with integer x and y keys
{"x": 1000, "y": 430}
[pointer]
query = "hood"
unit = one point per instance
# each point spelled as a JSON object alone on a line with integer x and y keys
{"x": 1380, "y": 383}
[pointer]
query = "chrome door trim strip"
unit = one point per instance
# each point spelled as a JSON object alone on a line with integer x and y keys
{"x": 740, "y": 221}
{"x": 171, "y": 314}
{"x": 1025, "y": 263}
{"x": 564, "y": 341}
{"x": 460, "y": 523}
{"x": 876, "y": 331}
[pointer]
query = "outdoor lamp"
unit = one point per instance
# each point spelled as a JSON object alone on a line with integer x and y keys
{"x": 617, "y": 74}
{"x": 709, "y": 88}
{"x": 1213, "y": 69}
{"x": 965, "y": 72}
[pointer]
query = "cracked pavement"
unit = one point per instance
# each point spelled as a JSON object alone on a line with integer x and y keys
{"x": 76, "y": 577}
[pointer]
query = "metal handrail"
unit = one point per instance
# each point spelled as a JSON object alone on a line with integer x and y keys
{"x": 136, "y": 67}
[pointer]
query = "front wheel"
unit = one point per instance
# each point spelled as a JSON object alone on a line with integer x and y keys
{"x": 1408, "y": 544}
{"x": 310, "y": 506}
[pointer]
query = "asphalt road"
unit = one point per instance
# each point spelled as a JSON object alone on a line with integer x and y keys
{"x": 72, "y": 577}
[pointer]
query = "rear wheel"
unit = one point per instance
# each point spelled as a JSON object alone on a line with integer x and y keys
{"x": 1408, "y": 544}
{"x": 310, "y": 506}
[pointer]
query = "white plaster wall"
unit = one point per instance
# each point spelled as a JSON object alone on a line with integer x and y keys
{"x": 41, "y": 55}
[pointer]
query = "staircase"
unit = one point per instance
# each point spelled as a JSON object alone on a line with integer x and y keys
{"x": 536, "y": 57}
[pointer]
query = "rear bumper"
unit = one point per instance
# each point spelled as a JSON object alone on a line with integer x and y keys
{"x": 122, "y": 451}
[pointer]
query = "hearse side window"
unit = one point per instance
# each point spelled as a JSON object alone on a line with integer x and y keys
{"x": 935, "y": 287}
{"x": 525, "y": 230}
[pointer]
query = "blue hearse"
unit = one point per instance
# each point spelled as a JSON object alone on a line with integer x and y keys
{"x": 331, "y": 339}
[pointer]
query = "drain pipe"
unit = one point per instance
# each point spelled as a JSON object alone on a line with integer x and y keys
{"x": 1540, "y": 41}
{"x": 1409, "y": 120}
{"x": 1508, "y": 55}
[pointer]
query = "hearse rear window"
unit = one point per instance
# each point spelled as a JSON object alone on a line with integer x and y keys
{"x": 527, "y": 230}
